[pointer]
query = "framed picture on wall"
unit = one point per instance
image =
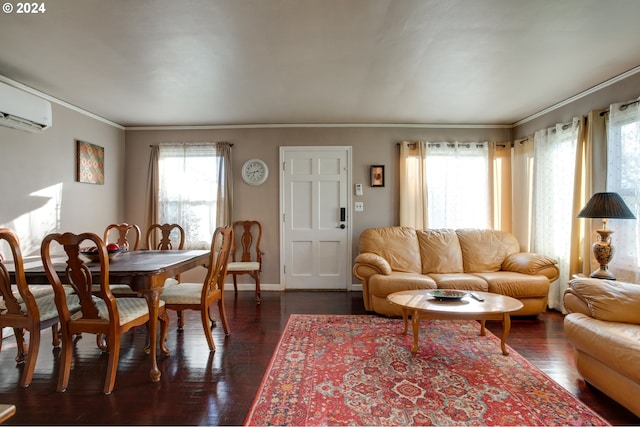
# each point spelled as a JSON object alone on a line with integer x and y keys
{"x": 89, "y": 163}
{"x": 377, "y": 175}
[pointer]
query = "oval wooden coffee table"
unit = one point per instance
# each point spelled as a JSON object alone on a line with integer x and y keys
{"x": 420, "y": 305}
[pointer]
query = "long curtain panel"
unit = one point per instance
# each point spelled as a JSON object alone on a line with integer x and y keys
{"x": 623, "y": 172}
{"x": 553, "y": 199}
{"x": 153, "y": 179}
{"x": 501, "y": 186}
{"x": 224, "y": 203}
{"x": 413, "y": 185}
{"x": 590, "y": 157}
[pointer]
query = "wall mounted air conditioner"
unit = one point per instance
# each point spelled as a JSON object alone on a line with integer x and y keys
{"x": 23, "y": 110}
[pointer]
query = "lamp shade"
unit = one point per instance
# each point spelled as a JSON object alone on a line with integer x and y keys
{"x": 606, "y": 205}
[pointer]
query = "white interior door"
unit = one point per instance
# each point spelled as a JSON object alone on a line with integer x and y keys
{"x": 315, "y": 217}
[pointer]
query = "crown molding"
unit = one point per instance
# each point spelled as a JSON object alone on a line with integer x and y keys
{"x": 574, "y": 98}
{"x": 323, "y": 125}
{"x": 60, "y": 102}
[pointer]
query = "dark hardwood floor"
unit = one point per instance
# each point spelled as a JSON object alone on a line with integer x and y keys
{"x": 202, "y": 388}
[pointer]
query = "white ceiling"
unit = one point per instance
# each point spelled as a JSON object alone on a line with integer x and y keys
{"x": 234, "y": 62}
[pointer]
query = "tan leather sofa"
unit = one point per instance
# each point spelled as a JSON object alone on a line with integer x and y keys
{"x": 603, "y": 325}
{"x": 394, "y": 259}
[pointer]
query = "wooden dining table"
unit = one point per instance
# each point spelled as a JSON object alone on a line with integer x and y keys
{"x": 145, "y": 271}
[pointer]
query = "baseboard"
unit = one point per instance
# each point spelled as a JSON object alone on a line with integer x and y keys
{"x": 355, "y": 287}
{"x": 252, "y": 287}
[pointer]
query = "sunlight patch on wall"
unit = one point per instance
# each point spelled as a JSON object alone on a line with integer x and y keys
{"x": 31, "y": 227}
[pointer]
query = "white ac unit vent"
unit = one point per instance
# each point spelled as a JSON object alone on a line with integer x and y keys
{"x": 23, "y": 110}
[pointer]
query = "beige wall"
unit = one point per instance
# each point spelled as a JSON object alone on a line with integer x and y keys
{"x": 39, "y": 191}
{"x": 371, "y": 145}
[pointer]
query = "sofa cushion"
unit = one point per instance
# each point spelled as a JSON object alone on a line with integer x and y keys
{"x": 485, "y": 250}
{"x": 381, "y": 285}
{"x": 398, "y": 245}
{"x": 609, "y": 300}
{"x": 439, "y": 251}
{"x": 516, "y": 285}
{"x": 463, "y": 281}
{"x": 616, "y": 345}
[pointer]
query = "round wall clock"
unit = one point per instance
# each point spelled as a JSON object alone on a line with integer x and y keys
{"x": 255, "y": 172}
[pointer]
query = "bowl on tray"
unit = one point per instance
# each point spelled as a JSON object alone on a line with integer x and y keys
{"x": 447, "y": 294}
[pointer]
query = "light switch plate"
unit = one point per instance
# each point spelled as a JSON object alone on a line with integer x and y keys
{"x": 358, "y": 189}
{"x": 359, "y": 207}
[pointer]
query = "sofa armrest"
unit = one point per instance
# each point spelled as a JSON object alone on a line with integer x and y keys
{"x": 607, "y": 300}
{"x": 367, "y": 264}
{"x": 530, "y": 263}
{"x": 574, "y": 303}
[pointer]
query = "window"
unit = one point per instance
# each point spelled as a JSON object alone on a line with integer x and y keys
{"x": 458, "y": 185}
{"x": 188, "y": 189}
{"x": 623, "y": 176}
{"x": 445, "y": 185}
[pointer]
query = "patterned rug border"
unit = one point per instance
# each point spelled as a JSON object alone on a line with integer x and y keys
{"x": 326, "y": 318}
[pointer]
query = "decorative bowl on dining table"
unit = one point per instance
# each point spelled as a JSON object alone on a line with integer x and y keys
{"x": 91, "y": 253}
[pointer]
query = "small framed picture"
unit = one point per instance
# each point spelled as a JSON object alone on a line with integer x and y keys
{"x": 377, "y": 176}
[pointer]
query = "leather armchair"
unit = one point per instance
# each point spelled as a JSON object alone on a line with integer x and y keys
{"x": 603, "y": 325}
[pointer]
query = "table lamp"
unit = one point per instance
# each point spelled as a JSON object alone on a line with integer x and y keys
{"x": 605, "y": 206}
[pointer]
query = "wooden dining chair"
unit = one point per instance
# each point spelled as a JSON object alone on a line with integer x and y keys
{"x": 101, "y": 314}
{"x": 200, "y": 296}
{"x": 246, "y": 256}
{"x": 164, "y": 241}
{"x": 128, "y": 238}
{"x": 161, "y": 237}
{"x": 27, "y": 308}
{"x": 124, "y": 240}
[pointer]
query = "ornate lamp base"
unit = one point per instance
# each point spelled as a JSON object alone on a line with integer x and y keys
{"x": 603, "y": 252}
{"x": 603, "y": 273}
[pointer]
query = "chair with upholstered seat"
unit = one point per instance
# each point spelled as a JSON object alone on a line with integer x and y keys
{"x": 168, "y": 234}
{"x": 30, "y": 308}
{"x": 246, "y": 256}
{"x": 200, "y": 296}
{"x": 101, "y": 314}
{"x": 161, "y": 237}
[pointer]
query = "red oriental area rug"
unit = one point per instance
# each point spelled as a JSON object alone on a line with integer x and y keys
{"x": 358, "y": 370}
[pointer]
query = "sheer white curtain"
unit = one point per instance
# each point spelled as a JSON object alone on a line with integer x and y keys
{"x": 553, "y": 195}
{"x": 445, "y": 185}
{"x": 623, "y": 177}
